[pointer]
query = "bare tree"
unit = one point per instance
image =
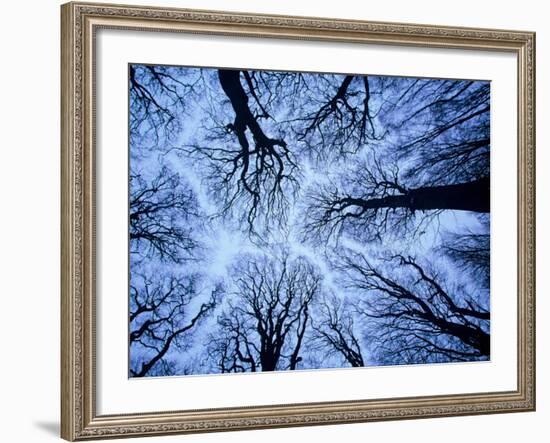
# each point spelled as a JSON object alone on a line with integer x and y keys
{"x": 158, "y": 98}
{"x": 445, "y": 132}
{"x": 159, "y": 211}
{"x": 435, "y": 158}
{"x": 164, "y": 313}
{"x": 437, "y": 130}
{"x": 413, "y": 317}
{"x": 334, "y": 114}
{"x": 377, "y": 202}
{"x": 470, "y": 251}
{"x": 251, "y": 172}
{"x": 264, "y": 327}
{"x": 334, "y": 332}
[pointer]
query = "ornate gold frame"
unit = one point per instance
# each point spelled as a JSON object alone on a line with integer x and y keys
{"x": 79, "y": 420}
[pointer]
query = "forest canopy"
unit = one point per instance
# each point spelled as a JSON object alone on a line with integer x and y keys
{"x": 290, "y": 220}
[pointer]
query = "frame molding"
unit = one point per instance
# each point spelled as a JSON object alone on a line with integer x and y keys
{"x": 79, "y": 21}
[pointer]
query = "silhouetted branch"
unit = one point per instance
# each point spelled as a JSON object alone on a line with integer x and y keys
{"x": 158, "y": 212}
{"x": 413, "y": 317}
{"x": 264, "y": 330}
{"x": 334, "y": 332}
{"x": 161, "y": 313}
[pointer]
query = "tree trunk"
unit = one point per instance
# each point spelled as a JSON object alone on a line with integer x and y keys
{"x": 472, "y": 336}
{"x": 268, "y": 362}
{"x": 231, "y": 85}
{"x": 472, "y": 196}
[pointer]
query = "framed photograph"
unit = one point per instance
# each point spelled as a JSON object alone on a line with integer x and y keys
{"x": 282, "y": 221}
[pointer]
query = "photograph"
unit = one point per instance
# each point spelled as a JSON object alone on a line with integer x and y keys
{"x": 273, "y": 220}
{"x": 287, "y": 220}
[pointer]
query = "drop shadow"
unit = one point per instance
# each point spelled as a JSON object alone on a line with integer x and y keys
{"x": 50, "y": 427}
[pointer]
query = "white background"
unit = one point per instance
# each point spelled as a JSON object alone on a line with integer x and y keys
{"x": 29, "y": 186}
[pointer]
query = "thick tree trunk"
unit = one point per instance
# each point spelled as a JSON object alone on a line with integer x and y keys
{"x": 472, "y": 336}
{"x": 343, "y": 89}
{"x": 268, "y": 362}
{"x": 231, "y": 84}
{"x": 472, "y": 196}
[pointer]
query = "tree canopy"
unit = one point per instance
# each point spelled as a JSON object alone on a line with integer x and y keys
{"x": 292, "y": 220}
